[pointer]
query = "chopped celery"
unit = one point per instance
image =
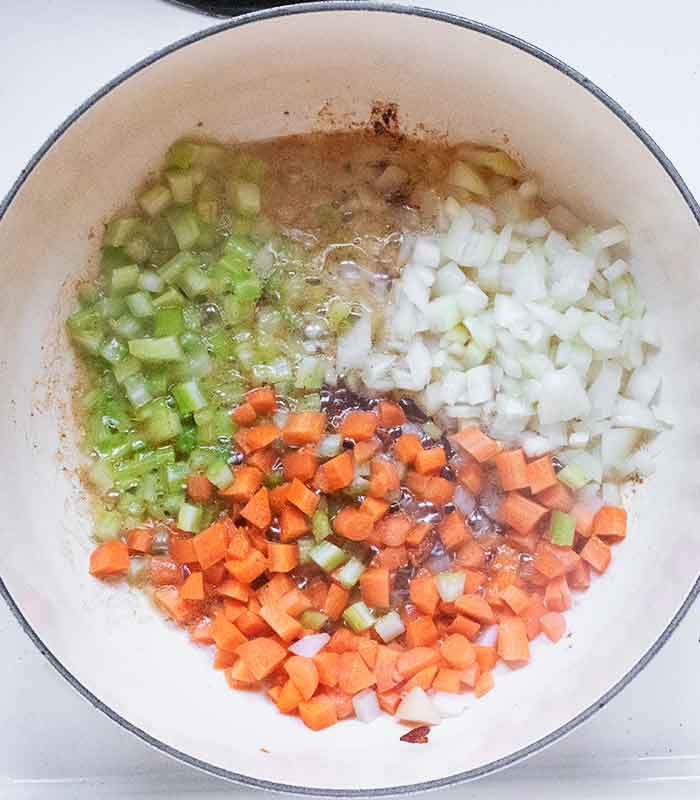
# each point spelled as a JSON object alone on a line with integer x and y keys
{"x": 181, "y": 183}
{"x": 219, "y": 473}
{"x": 150, "y": 281}
{"x": 112, "y": 257}
{"x": 172, "y": 503}
{"x": 131, "y": 505}
{"x": 320, "y": 526}
{"x": 164, "y": 348}
{"x": 274, "y": 478}
{"x": 138, "y": 249}
{"x": 312, "y": 620}
{"x": 113, "y": 350}
{"x": 127, "y": 326}
{"x": 118, "y": 231}
{"x": 189, "y": 397}
{"x": 193, "y": 282}
{"x": 110, "y": 307}
{"x": 101, "y": 476}
{"x": 310, "y": 374}
{"x": 186, "y": 440}
{"x": 168, "y": 322}
{"x": 107, "y": 525}
{"x": 189, "y": 518}
{"x": 235, "y": 310}
{"x": 124, "y": 279}
{"x": 562, "y": 528}
{"x": 358, "y": 617}
{"x": 85, "y": 319}
{"x": 306, "y": 545}
{"x": 140, "y": 304}
{"x": 338, "y": 312}
{"x": 157, "y": 383}
{"x": 349, "y": 574}
{"x": 432, "y": 430}
{"x": 171, "y": 270}
{"x": 125, "y": 368}
{"x": 137, "y": 390}
{"x": 176, "y": 476}
{"x": 244, "y": 196}
{"x": 89, "y": 341}
{"x": 390, "y": 626}
{"x": 162, "y": 425}
{"x": 573, "y": 476}
{"x": 171, "y": 297}
{"x": 181, "y": 154}
{"x": 184, "y": 224}
{"x": 328, "y": 556}
{"x": 155, "y": 200}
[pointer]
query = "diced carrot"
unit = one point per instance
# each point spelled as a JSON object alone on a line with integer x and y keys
{"x": 391, "y": 415}
{"x": 458, "y": 651}
{"x": 362, "y": 452}
{"x": 359, "y": 425}
{"x": 251, "y": 624}
{"x": 211, "y": 544}
{"x": 531, "y": 616}
{"x": 512, "y": 470}
{"x": 424, "y": 594}
{"x": 328, "y": 666}
{"x": 597, "y": 553}
{"x": 200, "y": 632}
{"x": 467, "y": 627}
{"x": 375, "y": 587}
{"x": 384, "y": 478}
{"x": 354, "y": 675}
{"x": 305, "y": 427}
{"x": 448, "y": 680}
{"x": 275, "y": 589}
{"x": 580, "y": 577}
{"x": 470, "y": 554}
{"x": 294, "y": 602}
{"x": 432, "y": 489}
{"x": 512, "y": 640}
{"x": 246, "y": 481}
{"x": 108, "y": 559}
{"x": 278, "y": 497}
{"x": 342, "y": 700}
{"x": 274, "y": 693}
{"x": 336, "y": 601}
{"x": 556, "y": 498}
{"x": 226, "y": 634}
{"x": 430, "y": 462}
{"x": 262, "y": 656}
{"x": 516, "y": 598}
{"x": 283, "y": 624}
{"x": 335, "y": 474}
{"x": 393, "y": 530}
{"x": 476, "y": 443}
{"x": 302, "y": 497}
{"x": 407, "y": 447}
{"x": 389, "y": 701}
{"x": 352, "y": 524}
{"x": 289, "y": 697}
{"x": 385, "y": 668}
{"x": 484, "y": 684}
{"x": 302, "y": 671}
{"x": 264, "y": 459}
{"x": 223, "y": 659}
{"x": 252, "y": 439}
{"x": 257, "y": 510}
{"x": 262, "y": 399}
{"x": 182, "y": 550}
{"x": 163, "y": 571}
{"x": 557, "y": 596}
{"x": 470, "y": 675}
{"x": 168, "y": 599}
{"x": 282, "y": 557}
{"x": 417, "y": 534}
{"x": 541, "y": 474}
{"x": 215, "y": 574}
{"x": 193, "y": 587}
{"x": 554, "y": 625}
{"x": 486, "y": 657}
{"x": 414, "y": 660}
{"x": 368, "y": 649}
{"x": 239, "y": 545}
{"x": 391, "y": 557}
{"x": 233, "y": 609}
{"x": 547, "y": 562}
{"x": 301, "y": 464}
{"x": 474, "y": 606}
{"x": 318, "y": 713}
{"x": 244, "y": 414}
{"x": 453, "y": 531}
{"x": 139, "y": 540}
{"x": 342, "y": 641}
{"x": 373, "y": 508}
{"x": 584, "y": 515}
{"x": 520, "y": 513}
{"x": 610, "y": 523}
{"x": 317, "y": 591}
{"x": 249, "y": 568}
{"x": 525, "y": 542}
{"x": 469, "y": 475}
{"x": 424, "y": 679}
{"x": 293, "y": 524}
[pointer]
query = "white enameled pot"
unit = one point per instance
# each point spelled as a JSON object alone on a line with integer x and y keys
{"x": 312, "y": 68}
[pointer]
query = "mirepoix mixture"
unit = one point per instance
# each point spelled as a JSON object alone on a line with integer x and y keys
{"x": 358, "y": 410}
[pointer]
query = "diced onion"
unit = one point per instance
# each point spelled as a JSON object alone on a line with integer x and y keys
{"x": 417, "y": 707}
{"x": 308, "y": 646}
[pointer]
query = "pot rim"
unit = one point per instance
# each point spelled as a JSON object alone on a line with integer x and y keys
{"x": 578, "y": 78}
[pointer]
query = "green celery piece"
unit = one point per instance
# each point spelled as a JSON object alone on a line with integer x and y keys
{"x": 312, "y": 620}
{"x": 182, "y": 154}
{"x": 349, "y": 574}
{"x": 194, "y": 282}
{"x": 219, "y": 473}
{"x": 125, "y": 368}
{"x": 186, "y": 440}
{"x": 168, "y": 322}
{"x": 171, "y": 271}
{"x": 181, "y": 183}
{"x": 358, "y": 617}
{"x": 183, "y": 223}
{"x": 562, "y": 528}
{"x": 328, "y": 556}
{"x": 162, "y": 425}
{"x": 176, "y": 475}
{"x": 126, "y": 326}
{"x": 88, "y": 341}
{"x": 155, "y": 200}
{"x": 87, "y": 318}
{"x": 140, "y": 304}
{"x": 124, "y": 279}
{"x": 138, "y": 249}
{"x": 107, "y": 525}
{"x": 113, "y": 257}
{"x": 573, "y": 476}
{"x": 164, "y": 348}
{"x": 130, "y": 471}
{"x": 171, "y": 297}
{"x": 119, "y": 231}
{"x": 189, "y": 397}
{"x": 189, "y": 518}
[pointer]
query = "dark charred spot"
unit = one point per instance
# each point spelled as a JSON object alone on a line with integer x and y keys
{"x": 384, "y": 118}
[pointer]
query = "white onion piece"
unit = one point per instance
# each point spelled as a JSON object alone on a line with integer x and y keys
{"x": 355, "y": 345}
{"x": 488, "y": 636}
{"x": 449, "y": 704}
{"x": 417, "y": 707}
{"x": 308, "y": 646}
{"x": 330, "y": 445}
{"x": 366, "y": 705}
{"x": 464, "y": 501}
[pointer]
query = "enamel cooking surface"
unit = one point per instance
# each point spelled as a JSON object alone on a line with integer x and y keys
{"x": 240, "y": 83}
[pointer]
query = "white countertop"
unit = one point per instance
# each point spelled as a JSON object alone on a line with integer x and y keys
{"x": 646, "y": 742}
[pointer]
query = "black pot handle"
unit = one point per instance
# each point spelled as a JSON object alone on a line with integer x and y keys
{"x": 229, "y": 8}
